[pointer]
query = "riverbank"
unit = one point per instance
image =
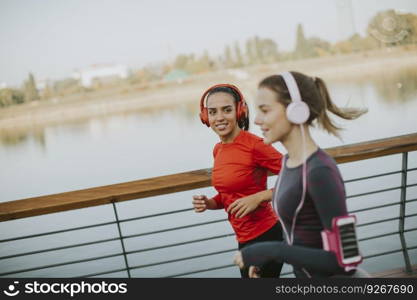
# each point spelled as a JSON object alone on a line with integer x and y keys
{"x": 98, "y": 104}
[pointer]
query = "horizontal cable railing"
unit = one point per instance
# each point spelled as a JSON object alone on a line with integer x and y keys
{"x": 187, "y": 181}
{"x": 178, "y": 182}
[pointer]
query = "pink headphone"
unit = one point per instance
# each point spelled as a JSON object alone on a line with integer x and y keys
{"x": 297, "y": 111}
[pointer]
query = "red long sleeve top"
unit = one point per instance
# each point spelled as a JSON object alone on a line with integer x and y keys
{"x": 240, "y": 169}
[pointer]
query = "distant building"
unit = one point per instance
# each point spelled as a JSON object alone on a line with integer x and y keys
{"x": 101, "y": 72}
{"x": 176, "y": 75}
{"x": 41, "y": 84}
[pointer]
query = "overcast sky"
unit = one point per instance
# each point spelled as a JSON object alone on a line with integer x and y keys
{"x": 51, "y": 38}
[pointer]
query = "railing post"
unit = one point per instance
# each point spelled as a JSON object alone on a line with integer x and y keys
{"x": 121, "y": 239}
{"x": 402, "y": 211}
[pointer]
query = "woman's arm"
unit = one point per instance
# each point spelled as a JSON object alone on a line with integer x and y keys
{"x": 267, "y": 157}
{"x": 201, "y": 203}
{"x": 246, "y": 205}
{"x": 326, "y": 189}
{"x": 212, "y": 204}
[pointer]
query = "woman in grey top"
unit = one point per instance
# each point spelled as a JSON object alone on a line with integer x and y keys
{"x": 308, "y": 195}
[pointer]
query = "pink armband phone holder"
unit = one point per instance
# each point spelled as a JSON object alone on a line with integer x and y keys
{"x": 342, "y": 241}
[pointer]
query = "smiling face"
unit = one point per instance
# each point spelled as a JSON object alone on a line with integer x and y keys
{"x": 271, "y": 116}
{"x": 222, "y": 115}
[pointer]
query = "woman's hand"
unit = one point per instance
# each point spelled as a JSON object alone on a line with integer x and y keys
{"x": 200, "y": 203}
{"x": 243, "y": 206}
{"x": 238, "y": 260}
{"x": 254, "y": 272}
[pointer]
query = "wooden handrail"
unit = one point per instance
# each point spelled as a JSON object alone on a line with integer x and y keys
{"x": 178, "y": 182}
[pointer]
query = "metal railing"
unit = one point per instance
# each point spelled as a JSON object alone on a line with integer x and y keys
{"x": 188, "y": 181}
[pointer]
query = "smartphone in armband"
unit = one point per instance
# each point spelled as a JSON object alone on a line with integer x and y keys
{"x": 342, "y": 241}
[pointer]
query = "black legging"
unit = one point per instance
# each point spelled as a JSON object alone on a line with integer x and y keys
{"x": 305, "y": 260}
{"x": 271, "y": 269}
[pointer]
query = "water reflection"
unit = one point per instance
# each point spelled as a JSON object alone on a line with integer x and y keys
{"x": 13, "y": 137}
{"x": 394, "y": 87}
{"x": 398, "y": 86}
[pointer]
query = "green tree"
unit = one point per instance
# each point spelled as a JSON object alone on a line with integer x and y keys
{"x": 267, "y": 51}
{"x": 302, "y": 47}
{"x": 6, "y": 97}
{"x": 250, "y": 52}
{"x": 228, "y": 59}
{"x": 10, "y": 96}
{"x": 47, "y": 92}
{"x": 66, "y": 86}
{"x": 30, "y": 90}
{"x": 261, "y": 50}
{"x": 411, "y": 20}
{"x": 257, "y": 44}
{"x": 238, "y": 54}
{"x": 206, "y": 63}
{"x": 181, "y": 61}
{"x": 319, "y": 47}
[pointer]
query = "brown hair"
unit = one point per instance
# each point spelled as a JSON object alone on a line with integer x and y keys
{"x": 314, "y": 93}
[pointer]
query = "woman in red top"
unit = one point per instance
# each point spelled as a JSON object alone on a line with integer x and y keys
{"x": 241, "y": 163}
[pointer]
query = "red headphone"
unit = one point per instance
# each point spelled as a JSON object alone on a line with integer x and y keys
{"x": 241, "y": 109}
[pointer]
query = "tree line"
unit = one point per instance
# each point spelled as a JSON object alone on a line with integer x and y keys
{"x": 385, "y": 29}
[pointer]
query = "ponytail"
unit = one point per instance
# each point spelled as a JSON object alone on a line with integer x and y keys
{"x": 345, "y": 113}
{"x": 314, "y": 93}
